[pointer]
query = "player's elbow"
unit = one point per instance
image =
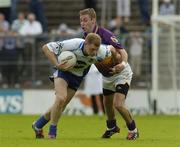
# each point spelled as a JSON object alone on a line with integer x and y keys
{"x": 44, "y": 48}
{"x": 124, "y": 54}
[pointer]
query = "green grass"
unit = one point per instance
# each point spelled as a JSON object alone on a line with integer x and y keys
{"x": 85, "y": 131}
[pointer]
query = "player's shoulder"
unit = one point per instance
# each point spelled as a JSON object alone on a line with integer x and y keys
{"x": 106, "y": 35}
{"x": 105, "y": 31}
{"x": 76, "y": 40}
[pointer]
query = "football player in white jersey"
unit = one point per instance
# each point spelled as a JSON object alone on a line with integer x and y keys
{"x": 66, "y": 83}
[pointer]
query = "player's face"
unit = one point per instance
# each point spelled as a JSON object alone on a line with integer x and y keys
{"x": 91, "y": 49}
{"x": 87, "y": 23}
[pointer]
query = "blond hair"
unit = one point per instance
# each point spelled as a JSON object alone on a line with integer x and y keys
{"x": 89, "y": 11}
{"x": 93, "y": 38}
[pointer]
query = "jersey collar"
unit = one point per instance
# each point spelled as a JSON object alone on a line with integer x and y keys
{"x": 95, "y": 29}
{"x": 81, "y": 46}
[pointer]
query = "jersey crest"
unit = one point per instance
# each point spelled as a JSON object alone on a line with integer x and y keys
{"x": 113, "y": 38}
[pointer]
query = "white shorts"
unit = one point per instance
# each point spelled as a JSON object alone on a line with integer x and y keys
{"x": 125, "y": 76}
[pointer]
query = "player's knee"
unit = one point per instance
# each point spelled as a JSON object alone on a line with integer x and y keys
{"x": 119, "y": 106}
{"x": 60, "y": 100}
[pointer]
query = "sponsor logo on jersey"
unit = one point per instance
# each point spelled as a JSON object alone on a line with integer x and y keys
{"x": 60, "y": 44}
{"x": 113, "y": 38}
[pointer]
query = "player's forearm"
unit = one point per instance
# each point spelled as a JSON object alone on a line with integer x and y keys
{"x": 50, "y": 55}
{"x": 123, "y": 61}
{"x": 113, "y": 50}
{"x": 124, "y": 55}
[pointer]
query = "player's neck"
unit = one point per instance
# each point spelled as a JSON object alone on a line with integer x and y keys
{"x": 95, "y": 28}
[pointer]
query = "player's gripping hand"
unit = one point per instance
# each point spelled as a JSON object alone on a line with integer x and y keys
{"x": 118, "y": 68}
{"x": 62, "y": 66}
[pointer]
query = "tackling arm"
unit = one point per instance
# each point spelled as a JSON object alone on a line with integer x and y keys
{"x": 124, "y": 55}
{"x": 121, "y": 57}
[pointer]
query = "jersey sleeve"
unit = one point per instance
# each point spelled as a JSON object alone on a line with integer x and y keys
{"x": 106, "y": 62}
{"x": 111, "y": 39}
{"x": 66, "y": 45}
{"x": 53, "y": 47}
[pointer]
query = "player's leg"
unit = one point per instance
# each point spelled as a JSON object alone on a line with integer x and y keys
{"x": 119, "y": 104}
{"x": 108, "y": 106}
{"x": 109, "y": 110}
{"x": 62, "y": 95}
{"x": 94, "y": 104}
{"x": 40, "y": 123}
{"x": 44, "y": 119}
{"x": 71, "y": 93}
{"x": 51, "y": 113}
{"x": 47, "y": 114}
{"x": 99, "y": 105}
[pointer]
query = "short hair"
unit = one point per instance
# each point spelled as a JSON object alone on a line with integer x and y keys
{"x": 89, "y": 11}
{"x": 93, "y": 38}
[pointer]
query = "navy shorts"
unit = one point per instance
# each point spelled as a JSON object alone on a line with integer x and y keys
{"x": 72, "y": 80}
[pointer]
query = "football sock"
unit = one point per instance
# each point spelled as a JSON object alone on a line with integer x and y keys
{"x": 41, "y": 122}
{"x": 111, "y": 123}
{"x": 52, "y": 130}
{"x": 131, "y": 126}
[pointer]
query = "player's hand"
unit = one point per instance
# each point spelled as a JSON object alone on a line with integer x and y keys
{"x": 62, "y": 66}
{"x": 117, "y": 69}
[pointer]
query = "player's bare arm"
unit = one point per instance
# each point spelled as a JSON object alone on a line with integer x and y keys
{"x": 120, "y": 57}
{"x": 123, "y": 54}
{"x": 52, "y": 57}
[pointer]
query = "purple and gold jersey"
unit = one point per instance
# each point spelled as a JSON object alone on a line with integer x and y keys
{"x": 108, "y": 38}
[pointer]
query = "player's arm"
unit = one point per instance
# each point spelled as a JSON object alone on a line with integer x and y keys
{"x": 123, "y": 54}
{"x": 121, "y": 58}
{"x": 112, "y": 40}
{"x": 50, "y": 52}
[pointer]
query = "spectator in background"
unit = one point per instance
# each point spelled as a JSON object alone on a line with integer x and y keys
{"x": 10, "y": 69}
{"x": 93, "y": 88}
{"x": 4, "y": 25}
{"x": 117, "y": 27}
{"x": 20, "y": 40}
{"x": 64, "y": 30}
{"x": 123, "y": 10}
{"x": 144, "y": 10}
{"x": 1, "y": 55}
{"x": 36, "y": 7}
{"x": 136, "y": 50}
{"x": 90, "y": 3}
{"x": 30, "y": 31}
{"x": 5, "y": 6}
{"x": 167, "y": 8}
{"x": 19, "y": 22}
{"x": 32, "y": 27}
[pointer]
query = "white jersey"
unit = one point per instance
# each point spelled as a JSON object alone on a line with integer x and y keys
{"x": 76, "y": 46}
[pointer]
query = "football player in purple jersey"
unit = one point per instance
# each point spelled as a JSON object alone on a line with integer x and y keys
{"x": 116, "y": 77}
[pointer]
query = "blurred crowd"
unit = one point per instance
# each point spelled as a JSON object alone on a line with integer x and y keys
{"x": 20, "y": 31}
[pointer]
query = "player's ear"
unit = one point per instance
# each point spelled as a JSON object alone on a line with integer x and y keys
{"x": 94, "y": 20}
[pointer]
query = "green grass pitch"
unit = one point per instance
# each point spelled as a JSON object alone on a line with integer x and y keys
{"x": 86, "y": 131}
